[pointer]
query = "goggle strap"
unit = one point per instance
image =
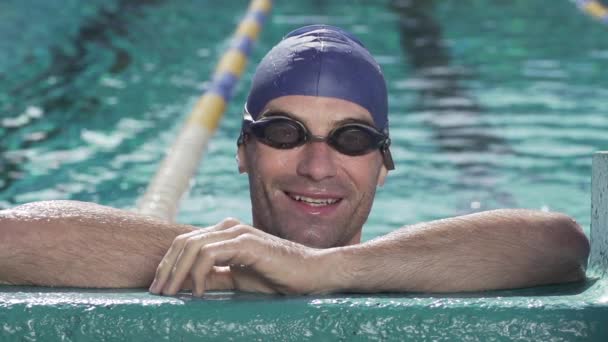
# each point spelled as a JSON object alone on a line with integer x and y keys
{"x": 388, "y": 158}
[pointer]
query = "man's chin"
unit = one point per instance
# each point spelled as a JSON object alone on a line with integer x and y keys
{"x": 311, "y": 238}
{"x": 313, "y": 243}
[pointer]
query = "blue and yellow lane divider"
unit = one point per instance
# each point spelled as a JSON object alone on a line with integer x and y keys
{"x": 176, "y": 171}
{"x": 594, "y": 8}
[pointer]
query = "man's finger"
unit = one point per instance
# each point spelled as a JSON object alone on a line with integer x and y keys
{"x": 165, "y": 267}
{"x": 240, "y": 250}
{"x": 205, "y": 263}
{"x": 191, "y": 251}
{"x": 220, "y": 278}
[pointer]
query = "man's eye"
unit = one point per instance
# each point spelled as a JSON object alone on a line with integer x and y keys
{"x": 354, "y": 140}
{"x": 284, "y": 133}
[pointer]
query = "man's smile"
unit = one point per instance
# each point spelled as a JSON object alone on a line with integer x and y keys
{"x": 314, "y": 203}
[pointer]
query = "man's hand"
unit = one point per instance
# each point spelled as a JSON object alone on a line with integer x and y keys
{"x": 234, "y": 256}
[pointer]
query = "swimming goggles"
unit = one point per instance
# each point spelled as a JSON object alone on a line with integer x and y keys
{"x": 280, "y": 131}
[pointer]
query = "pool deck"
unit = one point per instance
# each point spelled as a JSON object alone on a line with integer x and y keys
{"x": 568, "y": 312}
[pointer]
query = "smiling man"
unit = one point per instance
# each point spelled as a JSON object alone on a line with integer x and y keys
{"x": 317, "y": 122}
{"x": 315, "y": 145}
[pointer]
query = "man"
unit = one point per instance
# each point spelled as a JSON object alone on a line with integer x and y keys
{"x": 315, "y": 145}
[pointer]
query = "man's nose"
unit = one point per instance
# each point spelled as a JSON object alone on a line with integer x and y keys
{"x": 317, "y": 161}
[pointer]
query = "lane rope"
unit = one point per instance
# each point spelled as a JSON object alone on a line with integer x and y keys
{"x": 176, "y": 171}
{"x": 593, "y": 8}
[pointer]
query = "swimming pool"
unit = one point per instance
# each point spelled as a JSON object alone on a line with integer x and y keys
{"x": 493, "y": 104}
{"x": 506, "y": 116}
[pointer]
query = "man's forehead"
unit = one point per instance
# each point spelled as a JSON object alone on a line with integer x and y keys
{"x": 310, "y": 109}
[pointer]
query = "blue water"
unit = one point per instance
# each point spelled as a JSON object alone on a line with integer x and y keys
{"x": 493, "y": 104}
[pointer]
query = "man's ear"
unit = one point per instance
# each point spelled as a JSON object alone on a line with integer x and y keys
{"x": 241, "y": 161}
{"x": 382, "y": 175}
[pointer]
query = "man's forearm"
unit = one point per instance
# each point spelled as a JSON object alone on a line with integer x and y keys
{"x": 491, "y": 250}
{"x": 66, "y": 243}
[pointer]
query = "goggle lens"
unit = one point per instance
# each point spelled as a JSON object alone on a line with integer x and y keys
{"x": 353, "y": 140}
{"x": 279, "y": 133}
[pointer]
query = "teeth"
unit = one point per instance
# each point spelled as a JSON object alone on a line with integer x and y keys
{"x": 315, "y": 202}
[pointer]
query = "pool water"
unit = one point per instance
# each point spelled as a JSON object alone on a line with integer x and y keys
{"x": 492, "y": 105}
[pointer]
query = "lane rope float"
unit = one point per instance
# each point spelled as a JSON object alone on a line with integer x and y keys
{"x": 593, "y": 8}
{"x": 176, "y": 171}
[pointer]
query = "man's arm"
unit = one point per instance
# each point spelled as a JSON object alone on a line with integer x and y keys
{"x": 490, "y": 250}
{"x": 67, "y": 243}
{"x": 497, "y": 249}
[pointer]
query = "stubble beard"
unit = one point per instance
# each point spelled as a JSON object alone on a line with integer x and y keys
{"x": 271, "y": 219}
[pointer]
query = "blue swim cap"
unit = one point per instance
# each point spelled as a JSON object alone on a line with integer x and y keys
{"x": 321, "y": 60}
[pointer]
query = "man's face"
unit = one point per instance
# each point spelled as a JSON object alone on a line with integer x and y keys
{"x": 312, "y": 194}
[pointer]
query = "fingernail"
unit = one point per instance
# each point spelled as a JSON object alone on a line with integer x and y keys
{"x": 166, "y": 290}
{"x": 153, "y": 287}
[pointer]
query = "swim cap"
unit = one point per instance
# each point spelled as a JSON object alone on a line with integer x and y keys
{"x": 321, "y": 60}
